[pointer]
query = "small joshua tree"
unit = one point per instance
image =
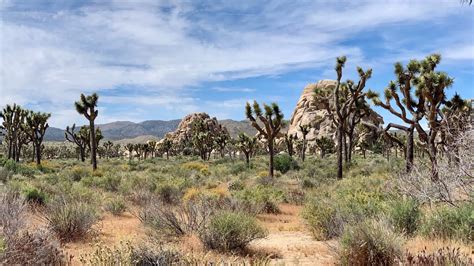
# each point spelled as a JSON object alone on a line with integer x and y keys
{"x": 130, "y": 147}
{"x": 304, "y": 131}
{"x": 78, "y": 139}
{"x": 247, "y": 145}
{"x": 272, "y": 121}
{"x": 86, "y": 107}
{"x": 36, "y": 126}
{"x": 166, "y": 146}
{"x": 108, "y": 145}
{"x": 325, "y": 145}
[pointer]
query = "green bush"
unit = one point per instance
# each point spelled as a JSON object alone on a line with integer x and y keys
{"x": 450, "y": 223}
{"x": 285, "y": 163}
{"x": 323, "y": 219}
{"x": 116, "y": 206}
{"x": 70, "y": 220}
{"x": 370, "y": 242}
{"x": 264, "y": 198}
{"x": 35, "y": 196}
{"x": 169, "y": 194}
{"x": 228, "y": 231}
{"x": 345, "y": 202}
{"x": 405, "y": 215}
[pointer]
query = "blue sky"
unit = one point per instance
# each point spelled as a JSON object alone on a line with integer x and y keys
{"x": 165, "y": 59}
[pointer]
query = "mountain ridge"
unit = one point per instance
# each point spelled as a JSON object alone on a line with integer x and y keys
{"x": 122, "y": 130}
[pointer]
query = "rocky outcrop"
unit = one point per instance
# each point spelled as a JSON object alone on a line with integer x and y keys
{"x": 183, "y": 134}
{"x": 311, "y": 110}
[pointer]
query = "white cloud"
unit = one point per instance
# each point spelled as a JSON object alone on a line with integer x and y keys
{"x": 49, "y": 57}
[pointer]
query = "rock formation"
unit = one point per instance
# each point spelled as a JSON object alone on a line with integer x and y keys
{"x": 311, "y": 111}
{"x": 183, "y": 134}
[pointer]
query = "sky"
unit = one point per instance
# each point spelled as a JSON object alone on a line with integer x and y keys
{"x": 161, "y": 60}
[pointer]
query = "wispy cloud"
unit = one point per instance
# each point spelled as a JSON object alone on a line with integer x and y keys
{"x": 52, "y": 52}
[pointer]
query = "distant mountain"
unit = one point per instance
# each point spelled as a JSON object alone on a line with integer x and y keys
{"x": 125, "y": 130}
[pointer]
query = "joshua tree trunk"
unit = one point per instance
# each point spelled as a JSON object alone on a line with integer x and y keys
{"x": 247, "y": 159}
{"x": 93, "y": 145}
{"x": 409, "y": 149}
{"x": 270, "y": 148}
{"x": 82, "y": 154}
{"x": 434, "y": 163}
{"x": 37, "y": 148}
{"x": 340, "y": 132}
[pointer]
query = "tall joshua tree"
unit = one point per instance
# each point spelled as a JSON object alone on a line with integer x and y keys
{"x": 86, "y": 106}
{"x": 36, "y": 126}
{"x": 304, "y": 131}
{"x": 345, "y": 95}
{"x": 272, "y": 121}
{"x": 108, "y": 145}
{"x": 410, "y": 107}
{"x": 77, "y": 138}
{"x": 431, "y": 86}
{"x": 13, "y": 123}
{"x": 247, "y": 145}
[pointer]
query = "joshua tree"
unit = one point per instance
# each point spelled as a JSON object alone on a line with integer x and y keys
{"x": 409, "y": 111}
{"x": 345, "y": 95}
{"x": 86, "y": 107}
{"x": 222, "y": 139}
{"x": 289, "y": 140}
{"x": 360, "y": 110}
{"x": 202, "y": 139}
{"x": 108, "y": 145}
{"x": 325, "y": 145}
{"x": 152, "y": 148}
{"x": 166, "y": 146}
{"x": 304, "y": 131}
{"x": 247, "y": 145}
{"x": 13, "y": 124}
{"x": 455, "y": 119}
{"x": 36, "y": 126}
{"x": 130, "y": 147}
{"x": 79, "y": 139}
{"x": 431, "y": 86}
{"x": 272, "y": 122}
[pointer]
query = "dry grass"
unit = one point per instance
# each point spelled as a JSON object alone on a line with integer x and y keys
{"x": 418, "y": 244}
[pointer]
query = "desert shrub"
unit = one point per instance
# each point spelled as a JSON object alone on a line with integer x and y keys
{"x": 348, "y": 201}
{"x": 12, "y": 214}
{"x": 169, "y": 194}
{"x": 370, "y": 242}
{"x": 5, "y": 174}
{"x": 110, "y": 182}
{"x": 450, "y": 223}
{"x": 140, "y": 197}
{"x": 11, "y": 166}
{"x": 405, "y": 215}
{"x": 236, "y": 185}
{"x": 78, "y": 172}
{"x": 116, "y": 206}
{"x": 144, "y": 255}
{"x": 264, "y": 198}
{"x": 32, "y": 249}
{"x": 178, "y": 220}
{"x": 35, "y": 196}
{"x": 70, "y": 220}
{"x": 444, "y": 256}
{"x": 229, "y": 231}
{"x": 295, "y": 196}
{"x": 285, "y": 163}
{"x": 323, "y": 219}
{"x": 238, "y": 168}
{"x": 307, "y": 183}
{"x": 104, "y": 255}
{"x": 198, "y": 167}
